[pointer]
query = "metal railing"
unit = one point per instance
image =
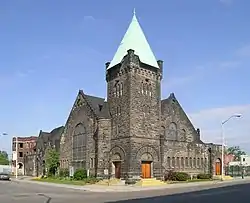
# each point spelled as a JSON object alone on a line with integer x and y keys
{"x": 235, "y": 171}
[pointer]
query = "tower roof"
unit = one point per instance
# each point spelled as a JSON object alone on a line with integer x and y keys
{"x": 135, "y": 39}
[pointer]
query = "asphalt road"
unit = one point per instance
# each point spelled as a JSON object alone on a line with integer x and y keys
{"x": 20, "y": 192}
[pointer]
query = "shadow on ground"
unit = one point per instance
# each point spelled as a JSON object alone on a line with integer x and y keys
{"x": 229, "y": 194}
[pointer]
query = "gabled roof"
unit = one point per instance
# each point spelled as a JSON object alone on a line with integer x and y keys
{"x": 134, "y": 39}
{"x": 172, "y": 101}
{"x": 98, "y": 105}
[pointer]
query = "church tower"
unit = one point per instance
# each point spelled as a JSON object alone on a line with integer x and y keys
{"x": 134, "y": 96}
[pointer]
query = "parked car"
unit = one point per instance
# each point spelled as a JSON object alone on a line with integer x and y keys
{"x": 5, "y": 171}
{"x": 4, "y": 176}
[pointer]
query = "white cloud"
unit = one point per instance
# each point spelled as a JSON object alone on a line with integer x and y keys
{"x": 229, "y": 64}
{"x": 199, "y": 72}
{"x": 88, "y": 18}
{"x": 244, "y": 51}
{"x": 236, "y": 130}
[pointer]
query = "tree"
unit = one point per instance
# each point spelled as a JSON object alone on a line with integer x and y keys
{"x": 4, "y": 159}
{"x": 236, "y": 151}
{"x": 51, "y": 161}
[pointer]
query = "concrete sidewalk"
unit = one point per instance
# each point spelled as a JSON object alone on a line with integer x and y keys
{"x": 132, "y": 188}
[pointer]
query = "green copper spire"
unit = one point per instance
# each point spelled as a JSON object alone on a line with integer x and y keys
{"x": 135, "y": 39}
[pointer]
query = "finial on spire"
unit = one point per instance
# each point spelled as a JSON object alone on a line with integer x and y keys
{"x": 134, "y": 12}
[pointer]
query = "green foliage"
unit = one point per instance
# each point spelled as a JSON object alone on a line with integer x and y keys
{"x": 4, "y": 159}
{"x": 204, "y": 176}
{"x": 236, "y": 151}
{"x": 51, "y": 161}
{"x": 80, "y": 174}
{"x": 182, "y": 176}
{"x": 64, "y": 172}
{"x": 176, "y": 176}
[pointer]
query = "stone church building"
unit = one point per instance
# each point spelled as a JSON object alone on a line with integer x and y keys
{"x": 134, "y": 133}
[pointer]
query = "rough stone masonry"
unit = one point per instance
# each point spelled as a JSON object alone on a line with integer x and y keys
{"x": 134, "y": 133}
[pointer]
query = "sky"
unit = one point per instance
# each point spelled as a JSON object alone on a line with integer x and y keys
{"x": 51, "y": 49}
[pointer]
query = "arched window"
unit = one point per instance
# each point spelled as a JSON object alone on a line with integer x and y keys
{"x": 173, "y": 162}
{"x": 147, "y": 89}
{"x": 172, "y": 132}
{"x": 150, "y": 90}
{"x": 79, "y": 143}
{"x": 168, "y": 162}
{"x": 194, "y": 163}
{"x": 114, "y": 91}
{"x": 183, "y": 135}
{"x": 182, "y": 162}
{"x": 198, "y": 162}
{"x": 190, "y": 162}
{"x": 118, "y": 90}
{"x": 186, "y": 162}
{"x": 178, "y": 162}
{"x": 142, "y": 88}
{"x": 121, "y": 89}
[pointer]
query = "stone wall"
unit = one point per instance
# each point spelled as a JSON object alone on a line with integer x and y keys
{"x": 30, "y": 165}
{"x": 81, "y": 114}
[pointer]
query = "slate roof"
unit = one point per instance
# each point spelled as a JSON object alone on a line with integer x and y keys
{"x": 98, "y": 104}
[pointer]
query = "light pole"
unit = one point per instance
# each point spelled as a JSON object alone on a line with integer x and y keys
{"x": 223, "y": 141}
{"x": 16, "y": 155}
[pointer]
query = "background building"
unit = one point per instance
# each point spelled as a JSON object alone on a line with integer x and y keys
{"x": 26, "y": 146}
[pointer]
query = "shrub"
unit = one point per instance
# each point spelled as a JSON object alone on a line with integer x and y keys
{"x": 91, "y": 180}
{"x": 176, "y": 176}
{"x": 169, "y": 175}
{"x": 204, "y": 176}
{"x": 80, "y": 174}
{"x": 64, "y": 172}
{"x": 182, "y": 176}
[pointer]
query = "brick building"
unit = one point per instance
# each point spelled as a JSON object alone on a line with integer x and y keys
{"x": 134, "y": 133}
{"x": 26, "y": 147}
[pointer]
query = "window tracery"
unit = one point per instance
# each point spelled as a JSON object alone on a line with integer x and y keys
{"x": 172, "y": 131}
{"x": 118, "y": 89}
{"x": 79, "y": 143}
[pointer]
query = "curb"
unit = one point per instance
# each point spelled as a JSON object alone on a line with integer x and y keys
{"x": 136, "y": 189}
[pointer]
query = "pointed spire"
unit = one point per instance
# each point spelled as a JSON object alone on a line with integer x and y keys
{"x": 135, "y": 39}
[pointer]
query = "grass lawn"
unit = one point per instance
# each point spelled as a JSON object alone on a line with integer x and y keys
{"x": 61, "y": 181}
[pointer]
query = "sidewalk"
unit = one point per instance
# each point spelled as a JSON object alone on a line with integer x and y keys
{"x": 132, "y": 188}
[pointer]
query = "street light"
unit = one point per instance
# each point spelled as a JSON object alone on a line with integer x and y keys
{"x": 223, "y": 140}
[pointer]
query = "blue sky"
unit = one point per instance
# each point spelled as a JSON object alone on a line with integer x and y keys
{"x": 51, "y": 49}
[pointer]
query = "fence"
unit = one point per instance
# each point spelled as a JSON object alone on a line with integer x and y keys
{"x": 237, "y": 170}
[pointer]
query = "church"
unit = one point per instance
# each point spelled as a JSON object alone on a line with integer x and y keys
{"x": 134, "y": 133}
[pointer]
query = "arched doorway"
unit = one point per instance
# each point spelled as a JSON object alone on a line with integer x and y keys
{"x": 218, "y": 167}
{"x": 146, "y": 165}
{"x": 116, "y": 165}
{"x": 20, "y": 168}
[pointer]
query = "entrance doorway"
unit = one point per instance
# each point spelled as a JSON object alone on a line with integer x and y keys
{"x": 218, "y": 167}
{"x": 117, "y": 169}
{"x": 146, "y": 169}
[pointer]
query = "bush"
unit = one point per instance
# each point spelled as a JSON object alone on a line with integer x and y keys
{"x": 182, "y": 176}
{"x": 176, "y": 176}
{"x": 91, "y": 180}
{"x": 64, "y": 172}
{"x": 204, "y": 176}
{"x": 80, "y": 174}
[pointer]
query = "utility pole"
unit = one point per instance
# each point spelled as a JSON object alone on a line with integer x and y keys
{"x": 16, "y": 156}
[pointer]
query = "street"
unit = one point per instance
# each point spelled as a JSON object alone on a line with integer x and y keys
{"x": 20, "y": 192}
